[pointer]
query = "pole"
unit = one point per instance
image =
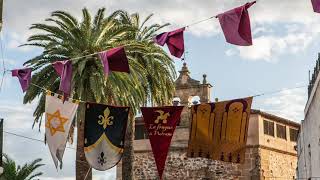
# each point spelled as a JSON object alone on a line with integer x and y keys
{"x": 1, "y": 11}
{"x": 1, "y": 140}
{"x": 1, "y": 145}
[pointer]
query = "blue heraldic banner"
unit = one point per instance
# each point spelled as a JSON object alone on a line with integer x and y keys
{"x": 104, "y": 133}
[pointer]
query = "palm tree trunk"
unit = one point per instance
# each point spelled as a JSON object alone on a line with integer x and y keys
{"x": 128, "y": 154}
{"x": 83, "y": 169}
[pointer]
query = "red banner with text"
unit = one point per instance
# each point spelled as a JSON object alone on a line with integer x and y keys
{"x": 160, "y": 123}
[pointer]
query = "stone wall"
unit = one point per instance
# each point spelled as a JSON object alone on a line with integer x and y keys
{"x": 178, "y": 166}
{"x": 260, "y": 163}
{"x": 309, "y": 139}
{"x": 277, "y": 165}
{"x": 277, "y": 160}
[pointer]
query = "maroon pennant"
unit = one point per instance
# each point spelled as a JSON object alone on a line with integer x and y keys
{"x": 235, "y": 25}
{"x": 114, "y": 59}
{"x": 161, "y": 123}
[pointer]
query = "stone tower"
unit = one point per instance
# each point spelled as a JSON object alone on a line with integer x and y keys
{"x": 187, "y": 89}
{"x": 270, "y": 152}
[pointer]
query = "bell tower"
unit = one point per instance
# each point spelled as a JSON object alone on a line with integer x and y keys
{"x": 189, "y": 91}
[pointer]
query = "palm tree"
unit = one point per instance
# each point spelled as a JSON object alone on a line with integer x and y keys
{"x": 150, "y": 80}
{"x": 26, "y": 172}
{"x": 158, "y": 92}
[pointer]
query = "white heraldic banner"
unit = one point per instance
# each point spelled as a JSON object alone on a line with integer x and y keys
{"x": 59, "y": 117}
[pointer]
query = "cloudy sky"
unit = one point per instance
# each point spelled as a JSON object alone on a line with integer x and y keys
{"x": 286, "y": 36}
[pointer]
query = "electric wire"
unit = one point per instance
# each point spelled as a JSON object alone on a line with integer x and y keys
{"x": 31, "y": 139}
{"x": 38, "y": 140}
{"x": 257, "y": 95}
{"x": 79, "y": 57}
{"x": 3, "y": 63}
{"x": 279, "y": 91}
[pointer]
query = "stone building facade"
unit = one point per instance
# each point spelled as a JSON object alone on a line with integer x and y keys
{"x": 270, "y": 152}
{"x": 309, "y": 136}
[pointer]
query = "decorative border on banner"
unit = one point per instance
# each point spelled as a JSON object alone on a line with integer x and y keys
{"x": 59, "y": 96}
{"x": 103, "y": 137}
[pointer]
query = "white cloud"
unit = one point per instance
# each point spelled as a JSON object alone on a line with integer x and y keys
{"x": 288, "y": 104}
{"x": 176, "y": 12}
{"x": 260, "y": 30}
{"x": 15, "y": 40}
{"x": 230, "y": 52}
{"x": 265, "y": 17}
{"x": 17, "y": 113}
{"x": 270, "y": 47}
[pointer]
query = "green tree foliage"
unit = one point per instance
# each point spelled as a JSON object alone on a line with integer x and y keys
{"x": 63, "y": 36}
{"x": 26, "y": 172}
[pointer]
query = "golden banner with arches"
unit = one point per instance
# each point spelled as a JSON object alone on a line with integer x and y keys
{"x": 219, "y": 130}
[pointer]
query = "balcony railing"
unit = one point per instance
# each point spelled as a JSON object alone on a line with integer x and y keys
{"x": 314, "y": 76}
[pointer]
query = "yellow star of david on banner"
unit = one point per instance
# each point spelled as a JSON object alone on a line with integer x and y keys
{"x": 55, "y": 122}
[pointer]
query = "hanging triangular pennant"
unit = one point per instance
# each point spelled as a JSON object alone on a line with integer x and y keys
{"x": 161, "y": 123}
{"x": 236, "y": 25}
{"x": 219, "y": 130}
{"x": 174, "y": 40}
{"x": 114, "y": 59}
{"x": 64, "y": 70}
{"x": 316, "y": 5}
{"x": 59, "y": 117}
{"x": 105, "y": 128}
{"x": 24, "y": 76}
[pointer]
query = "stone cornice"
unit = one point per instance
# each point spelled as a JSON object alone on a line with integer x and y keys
{"x": 272, "y": 149}
{"x": 276, "y": 118}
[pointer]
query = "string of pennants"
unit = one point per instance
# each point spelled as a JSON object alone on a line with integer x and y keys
{"x": 218, "y": 130}
{"x": 235, "y": 25}
{"x": 114, "y": 59}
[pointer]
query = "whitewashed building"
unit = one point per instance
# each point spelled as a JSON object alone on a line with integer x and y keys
{"x": 309, "y": 136}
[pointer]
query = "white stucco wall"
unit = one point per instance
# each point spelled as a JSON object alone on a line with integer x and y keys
{"x": 309, "y": 138}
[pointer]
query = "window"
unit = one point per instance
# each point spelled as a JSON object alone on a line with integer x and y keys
{"x": 268, "y": 127}
{"x": 281, "y": 131}
{"x": 140, "y": 132}
{"x": 293, "y": 135}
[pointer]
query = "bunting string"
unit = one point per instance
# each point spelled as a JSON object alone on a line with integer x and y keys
{"x": 68, "y": 147}
{"x": 175, "y": 33}
{"x": 279, "y": 91}
{"x": 47, "y": 90}
{"x": 3, "y": 63}
{"x": 257, "y": 95}
{"x": 75, "y": 58}
{"x": 70, "y": 59}
{"x": 29, "y": 138}
{"x": 198, "y": 22}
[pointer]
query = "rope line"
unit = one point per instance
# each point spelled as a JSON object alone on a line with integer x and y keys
{"x": 257, "y": 95}
{"x": 278, "y": 91}
{"x": 32, "y": 139}
{"x": 198, "y": 22}
{"x": 3, "y": 63}
{"x": 46, "y": 90}
{"x": 89, "y": 169}
{"x": 38, "y": 140}
{"x": 79, "y": 57}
